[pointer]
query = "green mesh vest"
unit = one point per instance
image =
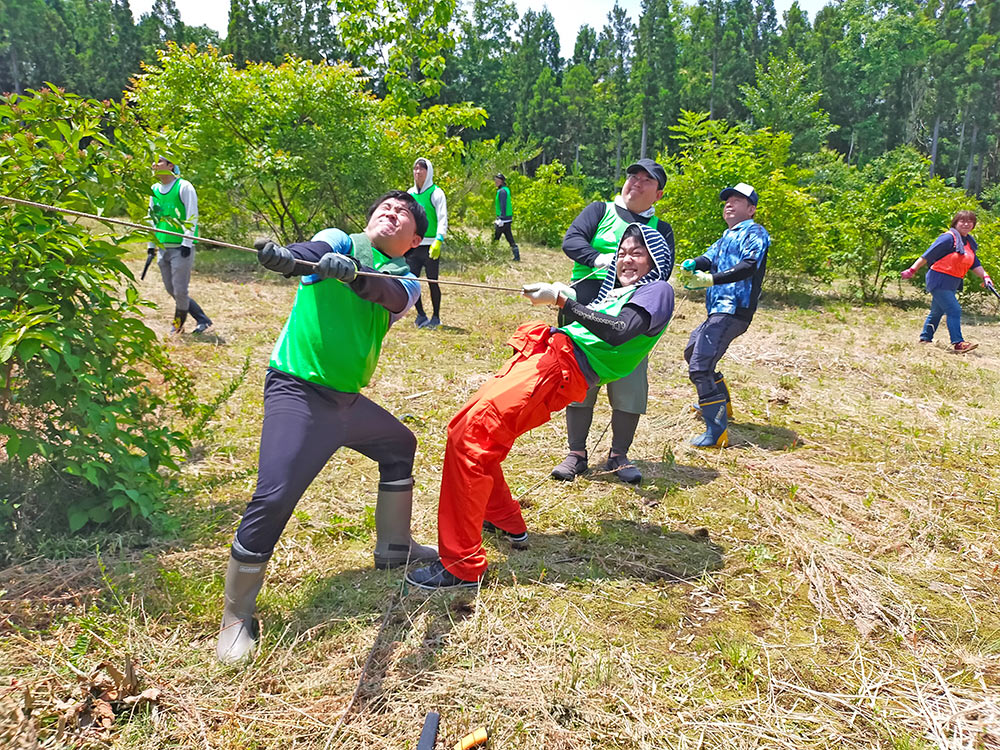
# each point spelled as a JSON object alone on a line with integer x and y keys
{"x": 607, "y": 236}
{"x": 496, "y": 203}
{"x": 424, "y": 199}
{"x": 611, "y": 362}
{"x": 168, "y": 212}
{"x": 333, "y": 337}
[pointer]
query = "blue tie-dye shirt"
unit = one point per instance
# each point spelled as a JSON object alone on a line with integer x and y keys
{"x": 747, "y": 241}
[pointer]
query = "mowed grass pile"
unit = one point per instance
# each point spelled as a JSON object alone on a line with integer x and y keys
{"x": 831, "y": 581}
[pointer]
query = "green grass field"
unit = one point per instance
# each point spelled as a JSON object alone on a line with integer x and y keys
{"x": 830, "y": 581}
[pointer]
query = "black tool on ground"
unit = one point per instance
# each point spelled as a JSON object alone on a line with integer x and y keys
{"x": 149, "y": 262}
{"x": 429, "y": 734}
{"x": 994, "y": 290}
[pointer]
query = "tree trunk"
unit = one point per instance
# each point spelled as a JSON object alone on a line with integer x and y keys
{"x": 850, "y": 149}
{"x": 711, "y": 96}
{"x": 576, "y": 160}
{"x": 979, "y": 171}
{"x": 14, "y": 70}
{"x": 642, "y": 142}
{"x": 618, "y": 155}
{"x": 958, "y": 156}
{"x": 972, "y": 157}
{"x": 934, "y": 143}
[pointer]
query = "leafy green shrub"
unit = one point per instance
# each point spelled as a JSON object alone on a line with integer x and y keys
{"x": 290, "y": 148}
{"x": 545, "y": 206}
{"x": 78, "y": 413}
{"x": 712, "y": 155}
{"x": 888, "y": 218}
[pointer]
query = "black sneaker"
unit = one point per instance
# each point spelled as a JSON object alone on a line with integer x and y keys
{"x": 621, "y": 466}
{"x": 517, "y": 541}
{"x": 436, "y": 576}
{"x": 420, "y": 321}
{"x": 571, "y": 467}
{"x": 202, "y": 327}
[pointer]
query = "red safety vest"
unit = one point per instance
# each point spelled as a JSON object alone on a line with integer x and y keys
{"x": 959, "y": 261}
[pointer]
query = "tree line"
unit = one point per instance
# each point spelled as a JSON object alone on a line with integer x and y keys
{"x": 863, "y": 77}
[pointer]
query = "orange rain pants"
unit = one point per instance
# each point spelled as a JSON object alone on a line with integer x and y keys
{"x": 541, "y": 378}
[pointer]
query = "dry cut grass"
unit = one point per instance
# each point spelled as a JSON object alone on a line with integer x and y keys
{"x": 831, "y": 581}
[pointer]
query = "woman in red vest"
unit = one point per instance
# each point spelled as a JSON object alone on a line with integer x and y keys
{"x": 952, "y": 255}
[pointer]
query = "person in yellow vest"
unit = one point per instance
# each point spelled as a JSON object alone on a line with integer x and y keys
{"x": 427, "y": 255}
{"x": 590, "y": 242}
{"x": 174, "y": 206}
{"x": 952, "y": 255}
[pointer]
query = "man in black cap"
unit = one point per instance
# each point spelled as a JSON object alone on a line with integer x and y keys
{"x": 732, "y": 272}
{"x": 504, "y": 214}
{"x": 590, "y": 242}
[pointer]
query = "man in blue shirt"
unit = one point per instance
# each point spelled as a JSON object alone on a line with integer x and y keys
{"x": 732, "y": 271}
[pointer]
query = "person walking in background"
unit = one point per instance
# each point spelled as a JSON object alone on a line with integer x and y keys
{"x": 504, "y": 214}
{"x": 174, "y": 206}
{"x": 950, "y": 257}
{"x": 732, "y": 272}
{"x": 590, "y": 242}
{"x": 426, "y": 256}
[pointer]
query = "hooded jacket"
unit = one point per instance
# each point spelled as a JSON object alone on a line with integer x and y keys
{"x": 438, "y": 203}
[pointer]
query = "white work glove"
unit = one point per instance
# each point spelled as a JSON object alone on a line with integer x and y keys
{"x": 604, "y": 260}
{"x": 699, "y": 280}
{"x": 540, "y": 293}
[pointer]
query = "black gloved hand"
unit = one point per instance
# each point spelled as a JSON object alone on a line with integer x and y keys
{"x": 337, "y": 266}
{"x": 275, "y": 257}
{"x": 185, "y": 251}
{"x": 151, "y": 250}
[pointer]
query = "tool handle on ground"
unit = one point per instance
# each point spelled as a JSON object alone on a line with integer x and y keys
{"x": 994, "y": 290}
{"x": 429, "y": 734}
{"x": 149, "y": 261}
{"x": 472, "y": 739}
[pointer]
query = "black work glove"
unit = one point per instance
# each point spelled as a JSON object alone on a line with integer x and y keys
{"x": 150, "y": 249}
{"x": 275, "y": 257}
{"x": 337, "y": 266}
{"x": 185, "y": 251}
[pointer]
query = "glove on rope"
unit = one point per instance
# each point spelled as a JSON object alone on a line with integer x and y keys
{"x": 274, "y": 257}
{"x": 547, "y": 294}
{"x": 699, "y": 280}
{"x": 338, "y": 266}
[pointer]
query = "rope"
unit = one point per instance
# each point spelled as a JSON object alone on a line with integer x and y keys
{"x": 220, "y": 243}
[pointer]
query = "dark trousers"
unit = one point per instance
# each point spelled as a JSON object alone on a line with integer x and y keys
{"x": 419, "y": 259}
{"x": 504, "y": 231}
{"x": 304, "y": 424}
{"x": 705, "y": 348}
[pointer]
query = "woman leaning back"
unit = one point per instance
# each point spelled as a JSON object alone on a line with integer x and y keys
{"x": 950, "y": 257}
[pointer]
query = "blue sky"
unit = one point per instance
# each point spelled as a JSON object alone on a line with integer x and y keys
{"x": 569, "y": 14}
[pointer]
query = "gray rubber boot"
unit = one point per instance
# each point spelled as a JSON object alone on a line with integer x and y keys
{"x": 393, "y": 544}
{"x": 239, "y": 631}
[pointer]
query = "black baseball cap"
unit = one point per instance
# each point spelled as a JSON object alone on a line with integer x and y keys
{"x": 653, "y": 169}
{"x": 740, "y": 188}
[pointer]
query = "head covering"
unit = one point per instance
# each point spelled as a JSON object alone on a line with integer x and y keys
{"x": 429, "y": 179}
{"x": 742, "y": 189}
{"x": 499, "y": 176}
{"x": 659, "y": 250}
{"x": 650, "y": 167}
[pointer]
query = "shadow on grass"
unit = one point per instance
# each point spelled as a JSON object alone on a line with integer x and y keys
{"x": 338, "y": 601}
{"x": 768, "y": 437}
{"x": 658, "y": 478}
{"x": 619, "y": 549}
